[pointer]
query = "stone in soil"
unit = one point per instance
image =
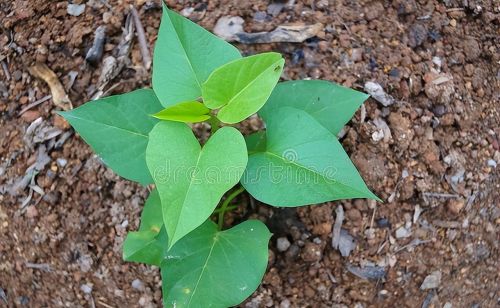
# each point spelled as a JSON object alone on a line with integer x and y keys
{"x": 282, "y": 244}
{"x": 432, "y": 281}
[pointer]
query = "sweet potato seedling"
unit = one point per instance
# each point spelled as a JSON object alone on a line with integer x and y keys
{"x": 144, "y": 136}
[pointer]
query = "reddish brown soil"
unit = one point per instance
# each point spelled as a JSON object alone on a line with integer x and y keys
{"x": 443, "y": 139}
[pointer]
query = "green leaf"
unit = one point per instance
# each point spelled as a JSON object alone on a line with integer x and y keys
{"x": 151, "y": 219}
{"x": 149, "y": 244}
{"x": 145, "y": 247}
{"x": 256, "y": 142}
{"x": 303, "y": 163}
{"x": 117, "y": 127}
{"x": 185, "y": 55}
{"x": 215, "y": 268}
{"x": 241, "y": 87}
{"x": 330, "y": 104}
{"x": 189, "y": 112}
{"x": 191, "y": 180}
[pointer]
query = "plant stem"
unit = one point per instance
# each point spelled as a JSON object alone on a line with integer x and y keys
{"x": 228, "y": 209}
{"x": 214, "y": 123}
{"x": 226, "y": 202}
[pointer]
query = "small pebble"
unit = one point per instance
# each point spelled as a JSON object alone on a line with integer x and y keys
{"x": 492, "y": 163}
{"x": 275, "y": 8}
{"x": 292, "y": 252}
{"x": 94, "y": 54}
{"x": 137, "y": 284}
{"x": 417, "y": 35}
{"x": 285, "y": 303}
{"x": 455, "y": 206}
{"x": 383, "y": 223}
{"x": 367, "y": 272}
{"x": 346, "y": 243}
{"x": 402, "y": 232}
{"x": 75, "y": 9}
{"x": 186, "y": 12}
{"x": 311, "y": 252}
{"x": 439, "y": 110}
{"x": 437, "y": 61}
{"x": 86, "y": 288}
{"x": 282, "y": 244}
{"x": 357, "y": 54}
{"x": 378, "y": 93}
{"x": 23, "y": 300}
{"x": 61, "y": 162}
{"x": 260, "y": 17}
{"x": 17, "y": 75}
{"x": 370, "y": 233}
{"x": 432, "y": 281}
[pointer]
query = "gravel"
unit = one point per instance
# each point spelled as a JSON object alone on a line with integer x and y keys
{"x": 282, "y": 244}
{"x": 402, "y": 232}
{"x": 432, "y": 281}
{"x": 86, "y": 288}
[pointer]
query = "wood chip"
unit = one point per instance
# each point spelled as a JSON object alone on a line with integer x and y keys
{"x": 59, "y": 96}
{"x": 282, "y": 34}
{"x": 339, "y": 211}
{"x": 230, "y": 28}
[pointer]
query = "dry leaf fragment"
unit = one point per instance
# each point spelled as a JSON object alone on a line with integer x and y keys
{"x": 59, "y": 96}
{"x": 282, "y": 34}
{"x": 230, "y": 28}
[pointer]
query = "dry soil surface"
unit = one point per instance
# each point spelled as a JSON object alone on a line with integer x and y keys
{"x": 432, "y": 156}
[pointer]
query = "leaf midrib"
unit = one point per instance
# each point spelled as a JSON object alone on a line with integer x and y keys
{"x": 186, "y": 194}
{"x": 67, "y": 115}
{"x": 305, "y": 168}
{"x": 184, "y": 50}
{"x": 204, "y": 267}
{"x": 249, "y": 84}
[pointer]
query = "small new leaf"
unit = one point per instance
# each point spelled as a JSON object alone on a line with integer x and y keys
{"x": 188, "y": 112}
{"x": 240, "y": 88}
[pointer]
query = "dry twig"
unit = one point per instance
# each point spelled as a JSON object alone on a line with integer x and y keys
{"x": 35, "y": 103}
{"x": 141, "y": 37}
{"x": 59, "y": 95}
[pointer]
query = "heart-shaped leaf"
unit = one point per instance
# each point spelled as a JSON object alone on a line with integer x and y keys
{"x": 328, "y": 103}
{"x": 125, "y": 122}
{"x": 188, "y": 112}
{"x": 302, "y": 163}
{"x": 215, "y": 268}
{"x": 256, "y": 142}
{"x": 185, "y": 55}
{"x": 149, "y": 244}
{"x": 191, "y": 180}
{"x": 241, "y": 87}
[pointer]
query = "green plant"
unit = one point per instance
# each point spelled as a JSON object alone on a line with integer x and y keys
{"x": 143, "y": 136}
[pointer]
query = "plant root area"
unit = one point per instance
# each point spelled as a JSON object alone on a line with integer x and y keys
{"x": 429, "y": 149}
